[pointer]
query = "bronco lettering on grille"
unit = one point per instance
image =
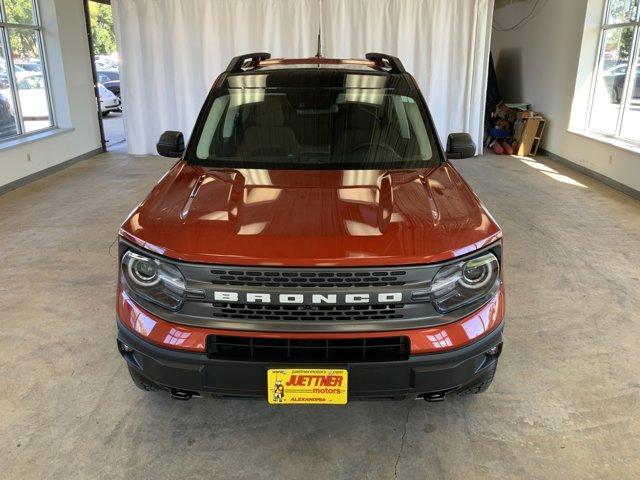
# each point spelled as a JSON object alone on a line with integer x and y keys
{"x": 312, "y": 299}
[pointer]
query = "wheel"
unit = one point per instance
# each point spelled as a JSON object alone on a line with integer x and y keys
{"x": 104, "y": 114}
{"x": 484, "y": 384}
{"x": 141, "y": 382}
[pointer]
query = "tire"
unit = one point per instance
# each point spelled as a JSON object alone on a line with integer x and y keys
{"x": 141, "y": 382}
{"x": 484, "y": 385}
{"x": 104, "y": 114}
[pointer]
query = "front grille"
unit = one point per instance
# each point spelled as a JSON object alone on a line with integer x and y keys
{"x": 308, "y": 312}
{"x": 310, "y": 299}
{"x": 288, "y": 279}
{"x": 382, "y": 349}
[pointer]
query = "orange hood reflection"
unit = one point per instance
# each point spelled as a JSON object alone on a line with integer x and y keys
{"x": 307, "y": 218}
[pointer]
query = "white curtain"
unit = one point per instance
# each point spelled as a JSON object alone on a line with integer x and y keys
{"x": 172, "y": 50}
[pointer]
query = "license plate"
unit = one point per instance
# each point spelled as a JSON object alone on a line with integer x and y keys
{"x": 307, "y": 385}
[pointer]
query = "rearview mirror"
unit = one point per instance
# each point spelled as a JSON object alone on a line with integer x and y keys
{"x": 460, "y": 145}
{"x": 171, "y": 144}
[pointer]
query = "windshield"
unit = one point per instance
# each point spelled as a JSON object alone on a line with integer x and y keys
{"x": 314, "y": 128}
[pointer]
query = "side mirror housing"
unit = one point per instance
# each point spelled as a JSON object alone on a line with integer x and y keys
{"x": 460, "y": 145}
{"x": 171, "y": 144}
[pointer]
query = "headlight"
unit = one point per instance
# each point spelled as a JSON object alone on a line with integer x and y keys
{"x": 463, "y": 283}
{"x": 153, "y": 280}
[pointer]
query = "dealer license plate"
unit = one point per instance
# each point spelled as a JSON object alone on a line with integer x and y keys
{"x": 307, "y": 385}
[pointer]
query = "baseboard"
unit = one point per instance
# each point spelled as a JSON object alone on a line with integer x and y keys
{"x": 621, "y": 187}
{"x": 47, "y": 171}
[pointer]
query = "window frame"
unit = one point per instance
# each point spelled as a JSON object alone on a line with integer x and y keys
{"x": 5, "y": 42}
{"x": 628, "y": 83}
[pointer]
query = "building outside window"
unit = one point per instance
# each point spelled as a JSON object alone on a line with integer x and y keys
{"x": 615, "y": 101}
{"x": 25, "y": 100}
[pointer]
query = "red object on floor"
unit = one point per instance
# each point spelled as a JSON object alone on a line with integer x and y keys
{"x": 508, "y": 149}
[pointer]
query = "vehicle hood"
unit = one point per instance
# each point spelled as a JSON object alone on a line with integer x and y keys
{"x": 311, "y": 218}
{"x": 105, "y": 94}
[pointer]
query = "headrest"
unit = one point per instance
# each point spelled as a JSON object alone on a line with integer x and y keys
{"x": 269, "y": 113}
{"x": 359, "y": 118}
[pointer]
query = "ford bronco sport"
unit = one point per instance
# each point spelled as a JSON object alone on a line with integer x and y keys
{"x": 312, "y": 244}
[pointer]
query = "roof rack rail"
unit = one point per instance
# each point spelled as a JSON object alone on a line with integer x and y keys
{"x": 237, "y": 62}
{"x": 387, "y": 62}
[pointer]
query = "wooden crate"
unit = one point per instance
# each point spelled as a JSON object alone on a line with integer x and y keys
{"x": 538, "y": 137}
{"x": 527, "y": 136}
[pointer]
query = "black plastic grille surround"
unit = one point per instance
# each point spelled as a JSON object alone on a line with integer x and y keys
{"x": 206, "y": 306}
{"x": 308, "y": 312}
{"x": 209, "y": 284}
{"x": 329, "y": 279}
{"x": 380, "y": 349}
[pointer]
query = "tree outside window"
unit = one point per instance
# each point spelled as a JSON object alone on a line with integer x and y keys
{"x": 25, "y": 101}
{"x": 615, "y": 103}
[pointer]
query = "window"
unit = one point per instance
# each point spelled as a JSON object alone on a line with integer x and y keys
{"x": 103, "y": 78}
{"x": 25, "y": 101}
{"x": 314, "y": 119}
{"x": 332, "y": 128}
{"x": 615, "y": 101}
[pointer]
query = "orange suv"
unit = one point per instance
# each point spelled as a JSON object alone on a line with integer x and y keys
{"x": 312, "y": 244}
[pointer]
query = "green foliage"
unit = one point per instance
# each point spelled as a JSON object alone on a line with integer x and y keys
{"x": 626, "y": 40}
{"x": 19, "y": 11}
{"x": 23, "y": 42}
{"x": 619, "y": 40}
{"x": 104, "y": 41}
{"x": 622, "y": 11}
{"x": 618, "y": 43}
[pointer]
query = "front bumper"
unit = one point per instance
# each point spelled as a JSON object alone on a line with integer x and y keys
{"x": 110, "y": 106}
{"x": 433, "y": 375}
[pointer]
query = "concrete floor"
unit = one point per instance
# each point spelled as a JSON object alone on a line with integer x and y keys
{"x": 564, "y": 404}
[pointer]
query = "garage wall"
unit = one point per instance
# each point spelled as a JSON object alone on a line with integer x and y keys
{"x": 74, "y": 102}
{"x": 548, "y": 63}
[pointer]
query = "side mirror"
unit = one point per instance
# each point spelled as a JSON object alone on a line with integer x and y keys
{"x": 171, "y": 144}
{"x": 460, "y": 145}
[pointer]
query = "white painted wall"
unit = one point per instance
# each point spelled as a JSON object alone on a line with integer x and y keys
{"x": 74, "y": 103}
{"x": 544, "y": 63}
